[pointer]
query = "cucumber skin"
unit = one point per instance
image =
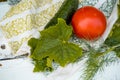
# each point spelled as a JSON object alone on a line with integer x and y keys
{"x": 66, "y": 12}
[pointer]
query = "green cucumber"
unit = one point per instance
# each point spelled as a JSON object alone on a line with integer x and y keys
{"x": 66, "y": 11}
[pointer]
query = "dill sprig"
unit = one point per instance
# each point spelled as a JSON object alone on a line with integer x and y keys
{"x": 97, "y": 61}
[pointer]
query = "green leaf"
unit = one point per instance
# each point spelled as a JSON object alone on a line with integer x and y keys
{"x": 54, "y": 44}
{"x": 33, "y": 42}
{"x": 41, "y": 65}
{"x": 118, "y": 9}
{"x": 114, "y": 36}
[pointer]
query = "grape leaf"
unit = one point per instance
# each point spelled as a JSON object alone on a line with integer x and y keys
{"x": 33, "y": 42}
{"x": 54, "y": 44}
{"x": 40, "y": 65}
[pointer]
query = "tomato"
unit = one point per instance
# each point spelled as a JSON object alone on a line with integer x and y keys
{"x": 88, "y": 23}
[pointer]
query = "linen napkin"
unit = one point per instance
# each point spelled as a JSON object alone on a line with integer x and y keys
{"x": 24, "y": 21}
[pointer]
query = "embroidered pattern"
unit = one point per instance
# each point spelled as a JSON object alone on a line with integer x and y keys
{"x": 25, "y": 16}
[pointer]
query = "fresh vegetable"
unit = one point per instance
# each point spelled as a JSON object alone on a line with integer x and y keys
{"x": 88, "y": 23}
{"x": 66, "y": 11}
{"x": 54, "y": 45}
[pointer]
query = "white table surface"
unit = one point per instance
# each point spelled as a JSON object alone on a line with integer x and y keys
{"x": 21, "y": 69}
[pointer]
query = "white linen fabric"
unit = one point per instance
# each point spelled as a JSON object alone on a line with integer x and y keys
{"x": 21, "y": 69}
{"x": 25, "y": 20}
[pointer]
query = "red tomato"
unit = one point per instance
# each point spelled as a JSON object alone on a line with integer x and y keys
{"x": 89, "y": 23}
